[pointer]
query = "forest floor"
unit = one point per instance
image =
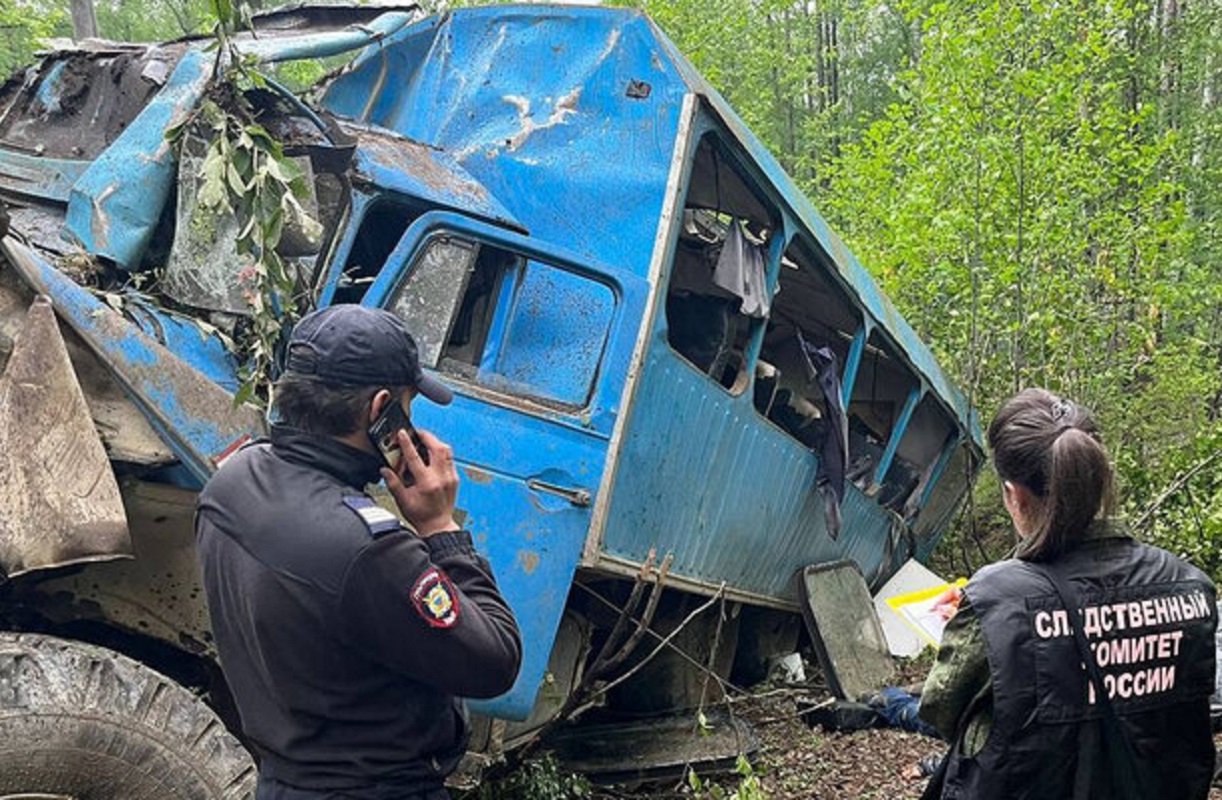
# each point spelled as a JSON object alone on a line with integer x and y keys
{"x": 795, "y": 761}
{"x": 798, "y": 762}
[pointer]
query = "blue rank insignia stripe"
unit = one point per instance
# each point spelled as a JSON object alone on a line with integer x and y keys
{"x": 435, "y": 599}
{"x": 377, "y": 519}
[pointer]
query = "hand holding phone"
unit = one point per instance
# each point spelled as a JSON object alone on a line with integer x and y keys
{"x": 385, "y": 435}
{"x": 420, "y": 475}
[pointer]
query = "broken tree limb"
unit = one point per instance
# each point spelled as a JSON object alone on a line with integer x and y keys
{"x": 686, "y": 621}
{"x": 1177, "y": 484}
{"x": 711, "y": 669}
{"x": 725, "y": 685}
{"x": 610, "y": 655}
{"x": 651, "y": 608}
{"x": 607, "y": 651}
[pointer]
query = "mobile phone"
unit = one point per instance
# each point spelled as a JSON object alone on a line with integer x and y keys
{"x": 384, "y": 434}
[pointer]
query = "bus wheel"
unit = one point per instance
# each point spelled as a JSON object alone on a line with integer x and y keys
{"x": 83, "y": 722}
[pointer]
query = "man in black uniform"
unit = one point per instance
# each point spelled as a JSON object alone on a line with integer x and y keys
{"x": 345, "y": 637}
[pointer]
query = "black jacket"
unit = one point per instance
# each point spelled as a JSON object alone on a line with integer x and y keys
{"x": 1149, "y": 619}
{"x": 344, "y": 637}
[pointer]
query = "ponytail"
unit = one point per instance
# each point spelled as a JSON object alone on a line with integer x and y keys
{"x": 1050, "y": 446}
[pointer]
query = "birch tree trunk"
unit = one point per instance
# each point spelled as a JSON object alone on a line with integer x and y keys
{"x": 84, "y": 21}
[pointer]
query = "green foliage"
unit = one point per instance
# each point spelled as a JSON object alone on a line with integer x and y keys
{"x": 537, "y": 779}
{"x": 153, "y": 20}
{"x": 1037, "y": 186}
{"x": 749, "y": 785}
{"x": 23, "y": 25}
{"x": 246, "y": 175}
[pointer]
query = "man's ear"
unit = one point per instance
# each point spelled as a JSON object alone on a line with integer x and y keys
{"x": 376, "y": 404}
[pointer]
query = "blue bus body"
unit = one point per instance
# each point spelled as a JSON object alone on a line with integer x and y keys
{"x": 547, "y": 194}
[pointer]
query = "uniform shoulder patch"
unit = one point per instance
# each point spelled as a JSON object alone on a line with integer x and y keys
{"x": 435, "y": 599}
{"x": 377, "y": 520}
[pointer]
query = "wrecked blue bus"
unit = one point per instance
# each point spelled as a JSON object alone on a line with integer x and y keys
{"x": 668, "y": 370}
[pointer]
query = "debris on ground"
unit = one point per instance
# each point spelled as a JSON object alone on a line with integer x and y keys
{"x": 794, "y": 761}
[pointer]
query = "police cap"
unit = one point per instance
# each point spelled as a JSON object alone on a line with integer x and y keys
{"x": 351, "y": 345}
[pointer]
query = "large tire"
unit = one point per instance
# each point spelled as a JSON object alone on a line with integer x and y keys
{"x": 88, "y": 723}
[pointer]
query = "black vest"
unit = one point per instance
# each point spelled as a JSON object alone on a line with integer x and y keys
{"x": 1149, "y": 618}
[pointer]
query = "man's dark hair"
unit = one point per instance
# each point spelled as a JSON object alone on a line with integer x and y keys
{"x": 319, "y": 408}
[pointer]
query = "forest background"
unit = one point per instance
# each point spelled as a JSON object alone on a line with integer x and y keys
{"x": 1037, "y": 185}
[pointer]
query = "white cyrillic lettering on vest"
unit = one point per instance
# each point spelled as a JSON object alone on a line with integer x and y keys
{"x": 1043, "y": 627}
{"x": 1134, "y": 615}
{"x": 1176, "y": 636}
{"x": 1160, "y": 610}
{"x": 1090, "y": 622}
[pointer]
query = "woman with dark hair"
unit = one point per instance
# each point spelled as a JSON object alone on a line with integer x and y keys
{"x": 1081, "y": 667}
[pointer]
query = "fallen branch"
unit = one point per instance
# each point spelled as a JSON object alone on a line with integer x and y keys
{"x": 686, "y": 620}
{"x": 725, "y": 685}
{"x": 611, "y": 654}
{"x": 1174, "y": 488}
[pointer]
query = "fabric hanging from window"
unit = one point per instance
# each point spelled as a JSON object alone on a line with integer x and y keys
{"x": 740, "y": 270}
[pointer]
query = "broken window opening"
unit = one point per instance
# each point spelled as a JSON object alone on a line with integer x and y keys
{"x": 882, "y": 387}
{"x": 810, "y": 311}
{"x": 383, "y": 225}
{"x": 718, "y": 297}
{"x": 492, "y": 317}
{"x": 203, "y": 267}
{"x": 921, "y": 447}
{"x": 948, "y": 490}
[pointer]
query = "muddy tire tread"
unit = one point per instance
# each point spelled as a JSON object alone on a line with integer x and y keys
{"x": 86, "y": 721}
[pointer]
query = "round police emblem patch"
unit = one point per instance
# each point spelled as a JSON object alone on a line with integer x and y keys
{"x": 435, "y": 599}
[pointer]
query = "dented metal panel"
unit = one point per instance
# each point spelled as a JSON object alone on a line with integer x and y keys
{"x": 393, "y": 163}
{"x": 196, "y": 417}
{"x": 61, "y": 503}
{"x": 306, "y": 42}
{"x": 534, "y": 103}
{"x": 115, "y": 205}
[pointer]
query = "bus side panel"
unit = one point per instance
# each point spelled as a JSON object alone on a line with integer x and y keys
{"x": 725, "y": 491}
{"x": 531, "y": 537}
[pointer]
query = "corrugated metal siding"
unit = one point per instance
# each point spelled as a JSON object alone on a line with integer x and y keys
{"x": 704, "y": 477}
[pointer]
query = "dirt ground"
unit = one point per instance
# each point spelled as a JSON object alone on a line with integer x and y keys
{"x": 798, "y": 762}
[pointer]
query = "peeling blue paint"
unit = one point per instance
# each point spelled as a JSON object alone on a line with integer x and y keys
{"x": 48, "y": 90}
{"x": 527, "y": 129}
{"x": 115, "y": 205}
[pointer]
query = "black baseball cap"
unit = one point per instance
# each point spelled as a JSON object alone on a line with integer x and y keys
{"x": 350, "y": 345}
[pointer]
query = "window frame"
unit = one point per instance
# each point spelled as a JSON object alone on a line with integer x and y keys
{"x": 626, "y": 295}
{"x": 780, "y": 234}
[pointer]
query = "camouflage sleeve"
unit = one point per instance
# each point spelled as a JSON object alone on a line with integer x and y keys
{"x": 960, "y": 674}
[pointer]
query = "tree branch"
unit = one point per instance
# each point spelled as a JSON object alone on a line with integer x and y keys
{"x": 1175, "y": 486}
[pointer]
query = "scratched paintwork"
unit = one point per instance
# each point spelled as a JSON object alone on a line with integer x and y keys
{"x": 114, "y": 206}
{"x": 525, "y": 128}
{"x": 394, "y": 164}
{"x": 532, "y": 102}
{"x": 196, "y": 417}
